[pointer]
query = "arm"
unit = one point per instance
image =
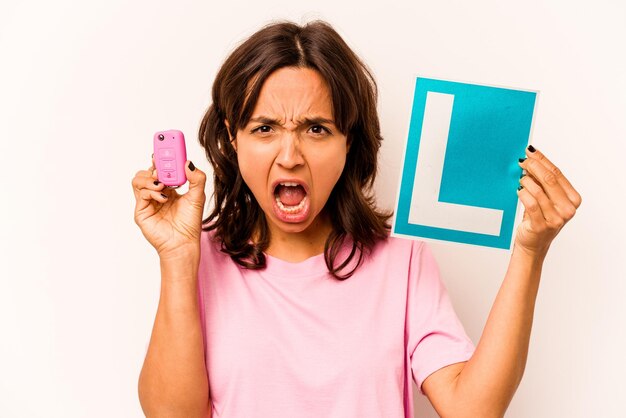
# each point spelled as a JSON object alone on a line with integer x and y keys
{"x": 173, "y": 381}
{"x": 485, "y": 385}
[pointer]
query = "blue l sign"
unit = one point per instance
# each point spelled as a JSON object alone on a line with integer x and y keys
{"x": 460, "y": 176}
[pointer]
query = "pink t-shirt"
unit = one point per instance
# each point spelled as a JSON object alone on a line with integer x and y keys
{"x": 292, "y": 341}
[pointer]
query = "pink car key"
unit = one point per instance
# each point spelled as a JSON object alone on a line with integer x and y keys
{"x": 170, "y": 156}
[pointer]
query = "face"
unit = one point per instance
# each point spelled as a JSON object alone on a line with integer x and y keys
{"x": 291, "y": 154}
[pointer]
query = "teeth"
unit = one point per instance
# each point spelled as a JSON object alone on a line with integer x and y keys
{"x": 289, "y": 183}
{"x": 291, "y": 209}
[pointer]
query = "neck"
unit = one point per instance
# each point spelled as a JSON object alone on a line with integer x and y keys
{"x": 298, "y": 246}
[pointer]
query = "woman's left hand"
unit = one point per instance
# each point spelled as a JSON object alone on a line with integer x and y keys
{"x": 549, "y": 200}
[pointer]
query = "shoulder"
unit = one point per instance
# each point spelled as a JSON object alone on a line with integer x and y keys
{"x": 207, "y": 237}
{"x": 398, "y": 245}
{"x": 396, "y": 253}
{"x": 214, "y": 263}
{"x": 211, "y": 245}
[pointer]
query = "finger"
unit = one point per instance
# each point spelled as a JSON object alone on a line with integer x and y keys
{"x": 571, "y": 193}
{"x": 197, "y": 181}
{"x": 147, "y": 172}
{"x": 532, "y": 210}
{"x": 144, "y": 173}
{"x": 144, "y": 182}
{"x": 153, "y": 170}
{"x": 143, "y": 207}
{"x": 547, "y": 179}
{"x": 137, "y": 181}
{"x": 551, "y": 217}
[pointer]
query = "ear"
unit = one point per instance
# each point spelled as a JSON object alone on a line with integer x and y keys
{"x": 348, "y": 143}
{"x": 232, "y": 140}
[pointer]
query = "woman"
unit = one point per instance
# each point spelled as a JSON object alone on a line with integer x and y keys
{"x": 290, "y": 298}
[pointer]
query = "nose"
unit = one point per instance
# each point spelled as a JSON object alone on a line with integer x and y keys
{"x": 290, "y": 154}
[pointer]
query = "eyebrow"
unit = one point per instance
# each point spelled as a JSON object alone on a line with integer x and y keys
{"x": 309, "y": 121}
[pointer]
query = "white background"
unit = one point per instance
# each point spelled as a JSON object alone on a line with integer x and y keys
{"x": 84, "y": 84}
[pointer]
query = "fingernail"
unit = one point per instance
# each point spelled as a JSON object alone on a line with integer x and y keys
{"x": 521, "y": 160}
{"x": 191, "y": 166}
{"x": 520, "y": 187}
{"x": 156, "y": 182}
{"x": 164, "y": 195}
{"x": 531, "y": 148}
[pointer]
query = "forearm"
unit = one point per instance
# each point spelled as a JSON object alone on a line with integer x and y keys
{"x": 490, "y": 378}
{"x": 173, "y": 381}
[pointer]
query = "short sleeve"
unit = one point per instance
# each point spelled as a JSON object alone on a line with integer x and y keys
{"x": 436, "y": 337}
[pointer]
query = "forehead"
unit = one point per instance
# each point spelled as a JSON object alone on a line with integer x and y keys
{"x": 293, "y": 92}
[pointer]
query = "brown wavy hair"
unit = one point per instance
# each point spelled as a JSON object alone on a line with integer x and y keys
{"x": 236, "y": 216}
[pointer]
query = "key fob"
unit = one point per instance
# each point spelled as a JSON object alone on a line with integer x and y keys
{"x": 170, "y": 156}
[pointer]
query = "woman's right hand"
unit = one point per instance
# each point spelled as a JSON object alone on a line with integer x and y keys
{"x": 172, "y": 224}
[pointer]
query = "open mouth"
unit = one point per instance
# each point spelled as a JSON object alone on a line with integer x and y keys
{"x": 291, "y": 197}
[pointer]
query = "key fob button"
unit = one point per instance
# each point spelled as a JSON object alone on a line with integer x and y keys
{"x": 166, "y": 154}
{"x": 168, "y": 165}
